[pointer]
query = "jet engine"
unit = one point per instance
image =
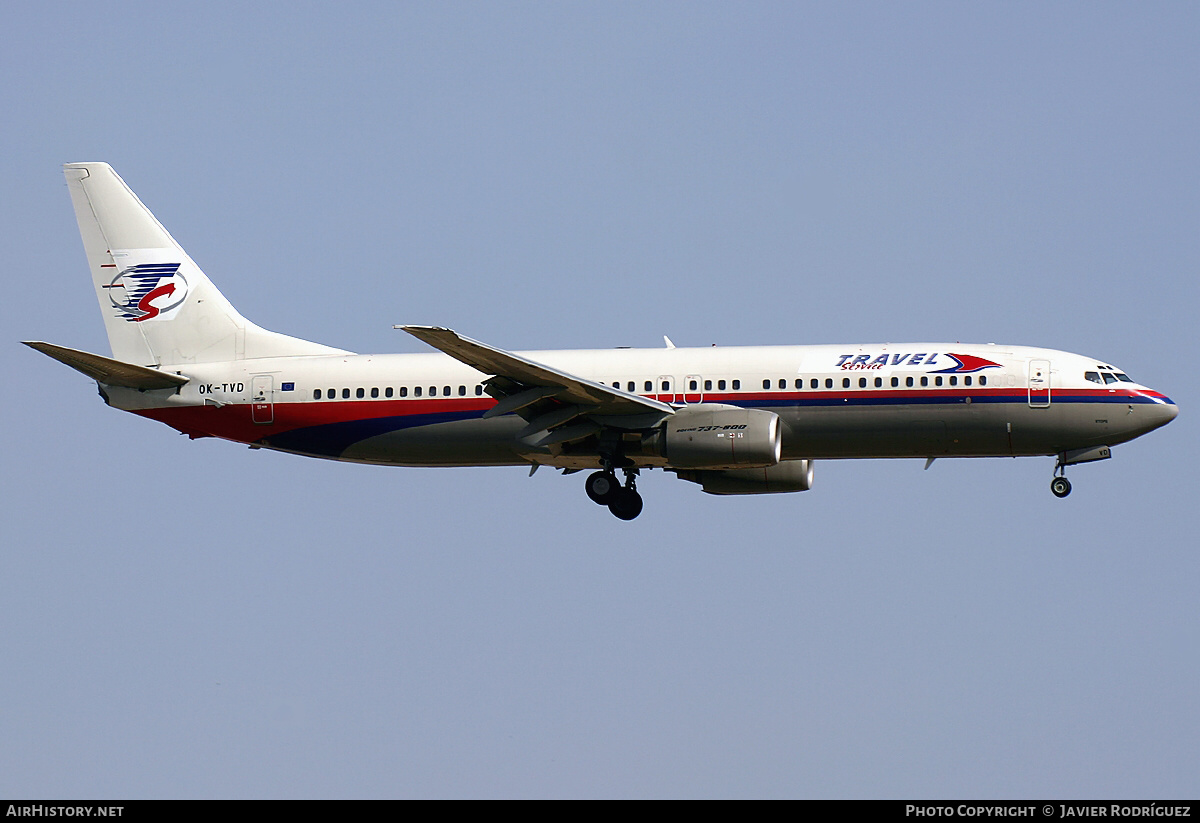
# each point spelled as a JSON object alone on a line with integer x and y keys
{"x": 717, "y": 436}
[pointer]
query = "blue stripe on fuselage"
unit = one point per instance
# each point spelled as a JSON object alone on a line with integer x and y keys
{"x": 331, "y": 439}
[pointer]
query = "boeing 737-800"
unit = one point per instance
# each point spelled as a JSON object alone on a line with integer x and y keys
{"x": 735, "y": 420}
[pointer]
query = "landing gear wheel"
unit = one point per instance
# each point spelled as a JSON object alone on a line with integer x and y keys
{"x": 601, "y": 486}
{"x": 625, "y": 504}
{"x": 1060, "y": 486}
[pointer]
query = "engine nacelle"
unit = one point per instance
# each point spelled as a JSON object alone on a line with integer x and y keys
{"x": 788, "y": 476}
{"x": 717, "y": 436}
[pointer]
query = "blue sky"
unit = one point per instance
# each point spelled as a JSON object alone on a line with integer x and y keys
{"x": 194, "y": 619}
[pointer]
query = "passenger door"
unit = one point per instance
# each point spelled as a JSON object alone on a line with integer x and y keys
{"x": 1039, "y": 384}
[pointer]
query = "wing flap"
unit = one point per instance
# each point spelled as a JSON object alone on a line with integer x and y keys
{"x": 520, "y": 400}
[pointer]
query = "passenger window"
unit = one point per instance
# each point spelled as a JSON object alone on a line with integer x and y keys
{"x": 721, "y": 385}
{"x": 387, "y": 392}
{"x": 445, "y": 391}
{"x": 360, "y": 393}
{"x": 374, "y": 392}
{"x": 478, "y": 390}
{"x": 967, "y": 380}
{"x": 829, "y": 382}
{"x": 924, "y": 380}
{"x": 737, "y": 384}
{"x": 799, "y": 383}
{"x": 404, "y": 391}
{"x": 331, "y": 394}
{"x": 878, "y": 382}
{"x": 630, "y": 386}
{"x": 895, "y": 382}
{"x": 416, "y": 391}
{"x": 862, "y": 382}
{"x": 649, "y": 386}
{"x": 433, "y": 391}
{"x": 708, "y": 385}
{"x": 983, "y": 379}
{"x": 953, "y": 380}
{"x": 666, "y": 385}
{"x": 814, "y": 383}
{"x": 782, "y": 383}
{"x": 462, "y": 391}
{"x": 845, "y": 382}
{"x": 346, "y": 394}
{"x": 316, "y": 394}
{"x": 766, "y": 384}
{"x": 692, "y": 385}
{"x": 908, "y": 381}
{"x": 937, "y": 381}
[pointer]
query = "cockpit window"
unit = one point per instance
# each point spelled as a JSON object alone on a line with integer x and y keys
{"x": 1093, "y": 376}
{"x": 1111, "y": 375}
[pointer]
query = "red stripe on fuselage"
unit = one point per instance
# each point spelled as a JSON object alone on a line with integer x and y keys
{"x": 233, "y": 421}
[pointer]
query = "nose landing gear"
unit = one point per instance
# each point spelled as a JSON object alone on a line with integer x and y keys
{"x": 1060, "y": 486}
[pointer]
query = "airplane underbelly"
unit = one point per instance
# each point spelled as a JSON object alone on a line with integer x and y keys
{"x": 457, "y": 443}
{"x": 894, "y": 431}
{"x": 957, "y": 429}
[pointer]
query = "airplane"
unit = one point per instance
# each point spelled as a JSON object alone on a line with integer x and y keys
{"x": 734, "y": 420}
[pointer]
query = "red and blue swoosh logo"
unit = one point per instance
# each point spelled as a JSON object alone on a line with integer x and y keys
{"x": 150, "y": 291}
{"x": 967, "y": 364}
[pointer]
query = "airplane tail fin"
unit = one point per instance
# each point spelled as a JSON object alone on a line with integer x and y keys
{"x": 158, "y": 306}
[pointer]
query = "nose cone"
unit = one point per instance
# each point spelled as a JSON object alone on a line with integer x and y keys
{"x": 1169, "y": 411}
{"x": 1160, "y": 411}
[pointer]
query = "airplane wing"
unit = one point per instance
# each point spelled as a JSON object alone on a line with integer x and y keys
{"x": 582, "y": 407}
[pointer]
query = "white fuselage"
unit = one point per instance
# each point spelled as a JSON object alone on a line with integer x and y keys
{"x": 851, "y": 401}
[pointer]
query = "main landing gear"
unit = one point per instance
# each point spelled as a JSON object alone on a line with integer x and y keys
{"x": 604, "y": 488}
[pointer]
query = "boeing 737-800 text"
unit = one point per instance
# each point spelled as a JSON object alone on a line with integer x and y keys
{"x": 737, "y": 420}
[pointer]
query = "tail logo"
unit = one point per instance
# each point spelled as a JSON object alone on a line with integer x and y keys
{"x": 150, "y": 291}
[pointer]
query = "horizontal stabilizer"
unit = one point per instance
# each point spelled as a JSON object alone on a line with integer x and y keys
{"x": 108, "y": 371}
